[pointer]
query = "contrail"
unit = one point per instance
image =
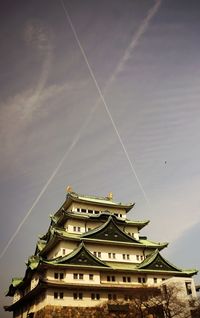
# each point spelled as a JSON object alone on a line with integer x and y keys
{"x": 73, "y": 144}
{"x": 143, "y": 27}
{"x": 134, "y": 42}
{"x": 141, "y": 30}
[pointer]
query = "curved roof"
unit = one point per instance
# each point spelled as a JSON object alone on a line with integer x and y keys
{"x": 109, "y": 231}
{"x": 94, "y": 200}
{"x": 80, "y": 256}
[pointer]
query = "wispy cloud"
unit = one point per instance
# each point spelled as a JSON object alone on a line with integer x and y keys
{"x": 17, "y": 111}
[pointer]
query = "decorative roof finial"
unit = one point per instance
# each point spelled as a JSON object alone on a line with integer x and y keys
{"x": 69, "y": 189}
{"x": 110, "y": 196}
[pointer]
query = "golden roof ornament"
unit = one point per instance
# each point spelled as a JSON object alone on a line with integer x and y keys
{"x": 110, "y": 196}
{"x": 69, "y": 189}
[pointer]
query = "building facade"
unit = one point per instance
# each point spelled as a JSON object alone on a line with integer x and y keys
{"x": 92, "y": 253}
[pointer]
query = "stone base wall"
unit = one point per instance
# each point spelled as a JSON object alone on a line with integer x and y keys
{"x": 79, "y": 312}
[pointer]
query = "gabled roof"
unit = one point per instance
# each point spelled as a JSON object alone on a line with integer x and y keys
{"x": 157, "y": 262}
{"x": 80, "y": 256}
{"x": 16, "y": 281}
{"x": 21, "y": 283}
{"x": 110, "y": 232}
{"x": 99, "y": 234}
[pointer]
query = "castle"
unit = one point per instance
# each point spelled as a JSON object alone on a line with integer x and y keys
{"x": 92, "y": 253}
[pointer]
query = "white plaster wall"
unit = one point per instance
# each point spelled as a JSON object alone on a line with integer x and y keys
{"x": 118, "y": 250}
{"x": 133, "y": 230}
{"x": 77, "y": 223}
{"x": 34, "y": 281}
{"x": 68, "y": 299}
{"x": 119, "y": 278}
{"x": 180, "y": 283}
{"x": 160, "y": 279}
{"x": 69, "y": 246}
{"x": 95, "y": 207}
{"x": 69, "y": 278}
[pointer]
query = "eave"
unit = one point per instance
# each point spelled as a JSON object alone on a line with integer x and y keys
{"x": 65, "y": 215}
{"x": 92, "y": 200}
{"x": 60, "y": 235}
{"x": 30, "y": 295}
{"x": 156, "y": 262}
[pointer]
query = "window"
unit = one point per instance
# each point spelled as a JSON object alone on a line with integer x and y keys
{"x": 78, "y": 210}
{"x": 78, "y": 276}
{"x": 91, "y": 276}
{"x": 116, "y": 214}
{"x": 112, "y": 296}
{"x": 76, "y": 229}
{"x": 59, "y": 275}
{"x": 141, "y": 280}
{"x": 137, "y": 257}
{"x": 78, "y": 296}
{"x": 97, "y": 254}
{"x": 63, "y": 251}
{"x": 188, "y": 288}
{"x": 111, "y": 255}
{"x": 83, "y": 210}
{"x": 96, "y": 212}
{"x": 95, "y": 296}
{"x": 89, "y": 228}
{"x": 90, "y": 211}
{"x": 58, "y": 295}
{"x": 141, "y": 257}
{"x": 155, "y": 280}
{"x": 126, "y": 279}
{"x": 56, "y": 275}
{"x": 126, "y": 256}
{"x": 111, "y": 278}
{"x": 163, "y": 279}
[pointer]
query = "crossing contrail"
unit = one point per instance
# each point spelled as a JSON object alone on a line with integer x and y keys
{"x": 136, "y": 37}
{"x": 141, "y": 30}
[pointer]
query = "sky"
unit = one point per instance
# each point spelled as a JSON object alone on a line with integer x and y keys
{"x": 103, "y": 96}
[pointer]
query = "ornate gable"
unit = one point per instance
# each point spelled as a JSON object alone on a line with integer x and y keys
{"x": 80, "y": 256}
{"x": 156, "y": 262}
{"x": 109, "y": 232}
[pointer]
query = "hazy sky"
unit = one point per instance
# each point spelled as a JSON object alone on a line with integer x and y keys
{"x": 147, "y": 65}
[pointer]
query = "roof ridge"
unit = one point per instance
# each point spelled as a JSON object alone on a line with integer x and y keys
{"x": 89, "y": 196}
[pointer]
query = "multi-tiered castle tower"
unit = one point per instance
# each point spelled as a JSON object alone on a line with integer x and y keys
{"x": 92, "y": 253}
